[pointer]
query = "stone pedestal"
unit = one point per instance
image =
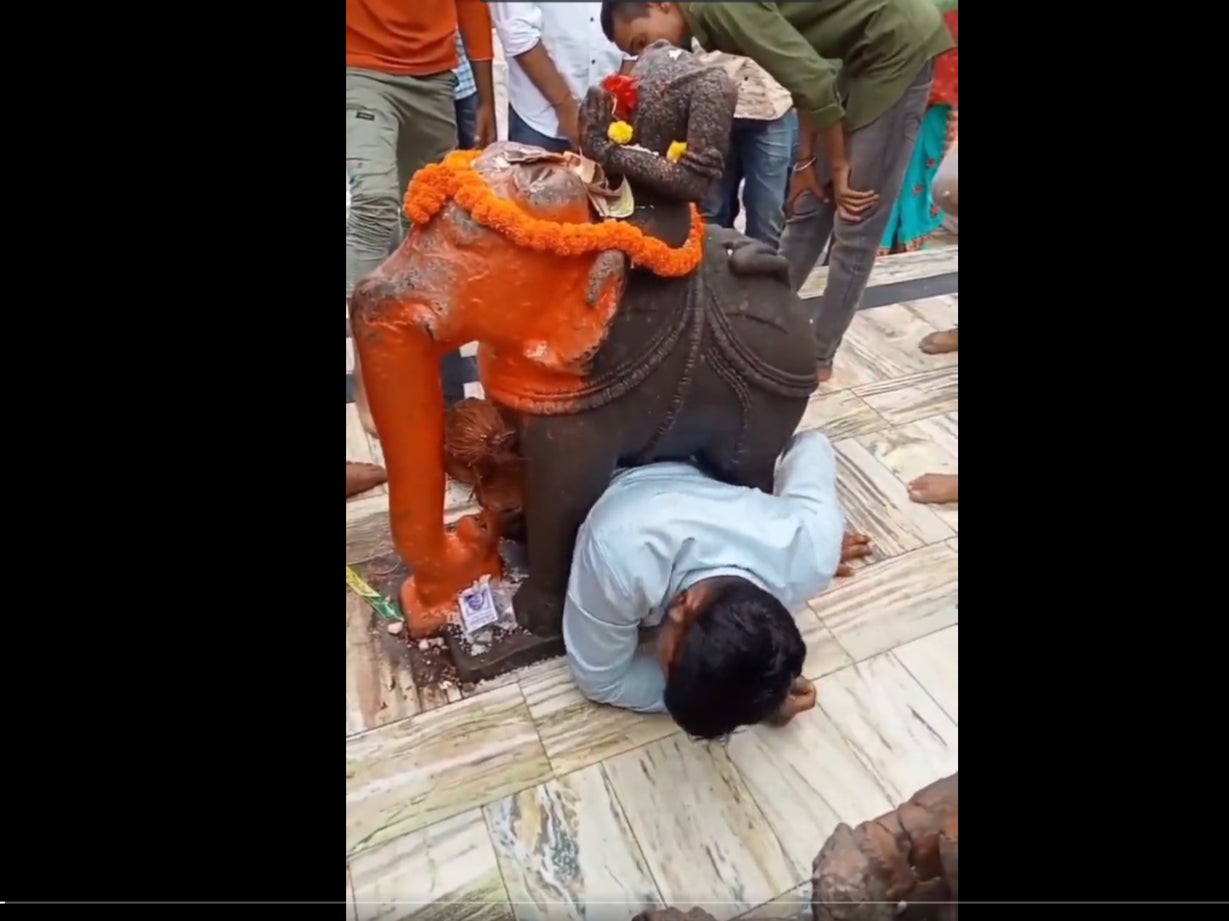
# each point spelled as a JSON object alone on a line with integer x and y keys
{"x": 902, "y": 865}
{"x": 504, "y": 654}
{"x": 673, "y": 914}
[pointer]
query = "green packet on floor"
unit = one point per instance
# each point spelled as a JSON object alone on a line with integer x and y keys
{"x": 378, "y": 602}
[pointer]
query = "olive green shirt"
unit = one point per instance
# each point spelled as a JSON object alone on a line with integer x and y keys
{"x": 874, "y": 49}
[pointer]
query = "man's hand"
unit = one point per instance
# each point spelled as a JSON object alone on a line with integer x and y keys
{"x": 853, "y": 546}
{"x": 801, "y": 181}
{"x": 568, "y": 113}
{"x": 850, "y": 203}
{"x": 802, "y": 695}
{"x": 484, "y": 117}
{"x": 801, "y": 698}
{"x": 484, "y": 125}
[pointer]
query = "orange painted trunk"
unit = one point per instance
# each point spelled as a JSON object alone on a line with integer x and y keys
{"x": 400, "y": 367}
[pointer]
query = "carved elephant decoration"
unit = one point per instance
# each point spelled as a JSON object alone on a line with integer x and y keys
{"x": 594, "y": 363}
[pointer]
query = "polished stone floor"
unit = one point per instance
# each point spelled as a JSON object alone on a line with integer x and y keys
{"x": 519, "y": 799}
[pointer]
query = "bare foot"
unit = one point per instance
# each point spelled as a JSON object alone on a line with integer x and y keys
{"x": 938, "y": 343}
{"x": 362, "y": 477}
{"x": 935, "y": 488}
{"x": 854, "y": 546}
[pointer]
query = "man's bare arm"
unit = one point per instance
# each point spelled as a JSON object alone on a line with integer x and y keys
{"x": 542, "y": 71}
{"x": 485, "y": 82}
{"x": 520, "y": 30}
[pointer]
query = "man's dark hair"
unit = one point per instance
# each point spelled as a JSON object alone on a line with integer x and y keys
{"x": 625, "y": 11}
{"x": 735, "y": 664}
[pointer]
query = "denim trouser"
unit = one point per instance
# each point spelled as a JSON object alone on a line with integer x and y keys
{"x": 467, "y": 120}
{"x": 878, "y": 157}
{"x": 761, "y": 153}
{"x": 523, "y": 134}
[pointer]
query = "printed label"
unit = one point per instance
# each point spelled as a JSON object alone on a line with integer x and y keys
{"x": 477, "y": 608}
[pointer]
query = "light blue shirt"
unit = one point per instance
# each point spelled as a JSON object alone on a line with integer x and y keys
{"x": 661, "y": 528}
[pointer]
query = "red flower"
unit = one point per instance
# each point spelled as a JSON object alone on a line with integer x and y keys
{"x": 623, "y": 88}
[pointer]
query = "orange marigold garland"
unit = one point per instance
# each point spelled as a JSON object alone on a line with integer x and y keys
{"x": 456, "y": 179}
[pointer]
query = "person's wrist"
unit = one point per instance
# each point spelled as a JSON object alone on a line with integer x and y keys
{"x": 804, "y": 163}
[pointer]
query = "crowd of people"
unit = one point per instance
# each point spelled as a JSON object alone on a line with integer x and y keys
{"x": 845, "y": 111}
{"x": 419, "y": 83}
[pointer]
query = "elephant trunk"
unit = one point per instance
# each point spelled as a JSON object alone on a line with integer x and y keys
{"x": 400, "y": 364}
{"x": 400, "y": 360}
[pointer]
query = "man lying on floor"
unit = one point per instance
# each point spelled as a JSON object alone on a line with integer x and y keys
{"x": 718, "y": 568}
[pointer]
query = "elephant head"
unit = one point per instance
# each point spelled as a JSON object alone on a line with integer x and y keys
{"x": 468, "y": 272}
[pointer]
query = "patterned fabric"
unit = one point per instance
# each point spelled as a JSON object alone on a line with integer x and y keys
{"x": 947, "y": 69}
{"x": 915, "y": 215}
{"x": 465, "y": 73}
{"x": 759, "y": 96}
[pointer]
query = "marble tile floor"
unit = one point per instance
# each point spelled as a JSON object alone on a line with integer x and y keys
{"x": 521, "y": 800}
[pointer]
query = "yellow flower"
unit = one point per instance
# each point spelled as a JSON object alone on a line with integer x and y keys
{"x": 676, "y": 151}
{"x": 619, "y": 132}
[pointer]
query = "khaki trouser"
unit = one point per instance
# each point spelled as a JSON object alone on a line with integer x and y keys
{"x": 395, "y": 125}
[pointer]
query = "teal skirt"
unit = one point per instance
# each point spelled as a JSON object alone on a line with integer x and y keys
{"x": 915, "y": 216}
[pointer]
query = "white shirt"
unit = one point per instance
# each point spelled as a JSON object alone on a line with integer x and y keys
{"x": 572, "y": 35}
{"x": 661, "y": 528}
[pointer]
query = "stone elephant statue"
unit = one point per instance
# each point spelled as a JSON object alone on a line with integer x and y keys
{"x": 591, "y": 361}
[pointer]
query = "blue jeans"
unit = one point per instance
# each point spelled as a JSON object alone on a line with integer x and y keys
{"x": 521, "y": 133}
{"x": 761, "y": 154}
{"x": 467, "y": 118}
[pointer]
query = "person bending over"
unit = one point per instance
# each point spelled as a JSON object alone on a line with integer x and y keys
{"x": 719, "y": 568}
{"x": 859, "y": 72}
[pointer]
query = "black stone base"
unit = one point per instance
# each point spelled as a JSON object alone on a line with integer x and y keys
{"x": 506, "y": 654}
